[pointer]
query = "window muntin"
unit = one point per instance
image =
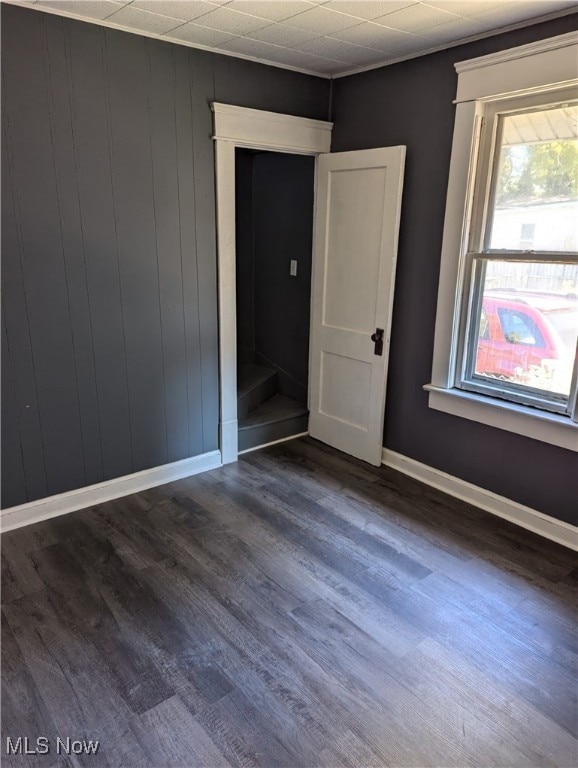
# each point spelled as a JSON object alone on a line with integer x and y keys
{"x": 522, "y": 267}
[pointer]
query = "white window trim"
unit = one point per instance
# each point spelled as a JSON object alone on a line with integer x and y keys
{"x": 541, "y": 66}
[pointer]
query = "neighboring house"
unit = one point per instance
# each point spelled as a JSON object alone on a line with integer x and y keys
{"x": 532, "y": 226}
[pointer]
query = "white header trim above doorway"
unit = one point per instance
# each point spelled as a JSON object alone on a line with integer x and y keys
{"x": 255, "y": 129}
{"x": 269, "y": 130}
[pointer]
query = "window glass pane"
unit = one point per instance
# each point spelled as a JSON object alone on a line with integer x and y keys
{"x": 528, "y": 325}
{"x": 536, "y": 182}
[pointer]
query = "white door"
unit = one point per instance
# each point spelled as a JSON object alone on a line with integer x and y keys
{"x": 356, "y": 232}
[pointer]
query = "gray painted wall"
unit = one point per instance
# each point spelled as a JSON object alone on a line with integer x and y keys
{"x": 109, "y": 345}
{"x": 274, "y": 225}
{"x": 108, "y": 241}
{"x": 411, "y": 103}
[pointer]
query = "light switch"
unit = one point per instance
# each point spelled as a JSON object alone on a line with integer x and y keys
{"x": 293, "y": 268}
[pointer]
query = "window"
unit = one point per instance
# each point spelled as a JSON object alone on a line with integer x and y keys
{"x": 526, "y": 188}
{"x": 507, "y": 326}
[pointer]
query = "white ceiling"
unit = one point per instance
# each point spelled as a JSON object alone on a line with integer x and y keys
{"x": 322, "y": 37}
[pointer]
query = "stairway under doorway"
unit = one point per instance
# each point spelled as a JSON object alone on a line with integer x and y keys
{"x": 274, "y": 232}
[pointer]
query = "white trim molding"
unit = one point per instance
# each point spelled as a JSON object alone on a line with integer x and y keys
{"x": 554, "y": 65}
{"x": 71, "y": 501}
{"x": 255, "y": 129}
{"x": 546, "y": 65}
{"x": 526, "y": 517}
{"x": 270, "y": 130}
{"x": 530, "y": 422}
{"x": 519, "y": 52}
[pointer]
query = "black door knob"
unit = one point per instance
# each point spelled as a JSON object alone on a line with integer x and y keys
{"x": 377, "y": 339}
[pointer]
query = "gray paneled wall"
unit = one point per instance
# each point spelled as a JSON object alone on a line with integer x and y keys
{"x": 108, "y": 237}
{"x": 109, "y": 346}
{"x": 411, "y": 103}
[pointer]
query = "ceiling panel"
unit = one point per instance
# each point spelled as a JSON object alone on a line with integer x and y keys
{"x": 453, "y": 30}
{"x": 274, "y": 11}
{"x": 292, "y": 58}
{"x": 325, "y": 37}
{"x": 196, "y": 34}
{"x": 149, "y": 22}
{"x": 368, "y": 9}
{"x": 510, "y": 13}
{"x": 186, "y": 10}
{"x": 466, "y": 7}
{"x": 283, "y": 34}
{"x": 92, "y": 9}
{"x": 323, "y": 20}
{"x": 341, "y": 51}
{"x": 378, "y": 37}
{"x": 416, "y": 18}
{"x": 226, "y": 20}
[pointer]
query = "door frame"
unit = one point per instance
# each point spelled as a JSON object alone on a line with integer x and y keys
{"x": 251, "y": 129}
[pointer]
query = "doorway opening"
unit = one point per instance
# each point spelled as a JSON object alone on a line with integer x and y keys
{"x": 274, "y": 199}
{"x": 255, "y": 129}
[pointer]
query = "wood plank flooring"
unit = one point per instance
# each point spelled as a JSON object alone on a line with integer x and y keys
{"x": 298, "y": 608}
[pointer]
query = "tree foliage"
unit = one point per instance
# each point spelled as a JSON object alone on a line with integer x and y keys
{"x": 542, "y": 171}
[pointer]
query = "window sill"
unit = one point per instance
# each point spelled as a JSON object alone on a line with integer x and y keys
{"x": 529, "y": 422}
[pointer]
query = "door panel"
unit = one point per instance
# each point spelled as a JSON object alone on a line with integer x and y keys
{"x": 356, "y": 230}
{"x": 339, "y": 376}
{"x": 351, "y": 293}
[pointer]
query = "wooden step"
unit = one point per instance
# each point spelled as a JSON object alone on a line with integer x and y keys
{"x": 255, "y": 385}
{"x": 275, "y": 419}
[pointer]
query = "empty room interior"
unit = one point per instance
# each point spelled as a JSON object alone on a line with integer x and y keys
{"x": 289, "y": 383}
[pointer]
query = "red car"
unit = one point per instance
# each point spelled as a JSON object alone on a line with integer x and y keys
{"x": 518, "y": 332}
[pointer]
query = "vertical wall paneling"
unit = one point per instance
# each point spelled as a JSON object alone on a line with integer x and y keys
{"x": 14, "y": 308}
{"x": 184, "y": 135}
{"x": 165, "y": 167}
{"x": 92, "y": 150}
{"x": 204, "y": 164}
{"x": 73, "y": 244}
{"x": 13, "y": 480}
{"x": 108, "y": 240}
{"x": 36, "y": 198}
{"x": 127, "y": 79}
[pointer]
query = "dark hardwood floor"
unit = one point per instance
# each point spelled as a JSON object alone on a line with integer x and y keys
{"x": 298, "y": 608}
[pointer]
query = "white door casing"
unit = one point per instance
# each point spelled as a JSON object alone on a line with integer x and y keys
{"x": 242, "y": 127}
{"x": 355, "y": 249}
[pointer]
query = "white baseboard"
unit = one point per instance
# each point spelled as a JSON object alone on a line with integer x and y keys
{"x": 274, "y": 442}
{"x": 549, "y": 527}
{"x": 63, "y": 503}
